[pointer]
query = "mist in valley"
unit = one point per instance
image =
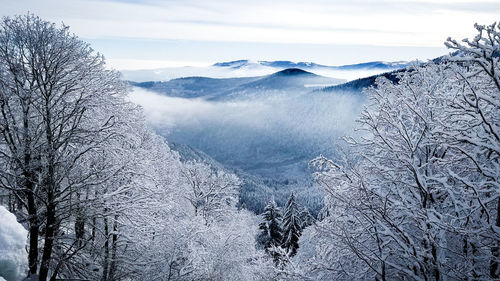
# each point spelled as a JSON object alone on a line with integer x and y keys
{"x": 270, "y": 137}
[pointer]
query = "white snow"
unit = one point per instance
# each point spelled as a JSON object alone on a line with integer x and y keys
{"x": 13, "y": 255}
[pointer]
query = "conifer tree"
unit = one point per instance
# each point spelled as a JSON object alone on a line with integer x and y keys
{"x": 306, "y": 217}
{"x": 292, "y": 225}
{"x": 271, "y": 226}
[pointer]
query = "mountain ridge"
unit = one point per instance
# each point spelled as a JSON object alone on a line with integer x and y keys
{"x": 301, "y": 64}
{"x": 248, "y": 68}
{"x": 290, "y": 80}
{"x": 264, "y": 128}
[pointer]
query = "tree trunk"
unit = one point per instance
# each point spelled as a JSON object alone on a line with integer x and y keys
{"x": 50, "y": 232}
{"x": 114, "y": 246}
{"x": 92, "y": 233}
{"x": 494, "y": 270}
{"x": 79, "y": 228}
{"x": 28, "y": 174}
{"x": 50, "y": 185}
{"x": 34, "y": 229}
{"x": 106, "y": 251}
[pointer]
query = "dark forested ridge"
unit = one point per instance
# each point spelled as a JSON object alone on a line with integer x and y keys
{"x": 358, "y": 85}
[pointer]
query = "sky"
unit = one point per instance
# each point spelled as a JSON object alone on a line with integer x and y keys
{"x": 145, "y": 34}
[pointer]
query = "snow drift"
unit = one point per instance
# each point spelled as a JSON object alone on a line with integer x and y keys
{"x": 13, "y": 256}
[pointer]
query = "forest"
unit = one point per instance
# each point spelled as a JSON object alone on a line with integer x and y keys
{"x": 413, "y": 195}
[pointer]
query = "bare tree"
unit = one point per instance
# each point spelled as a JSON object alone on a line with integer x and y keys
{"x": 51, "y": 85}
{"x": 211, "y": 190}
{"x": 409, "y": 199}
{"x": 477, "y": 110}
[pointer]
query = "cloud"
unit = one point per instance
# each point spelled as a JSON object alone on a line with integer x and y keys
{"x": 274, "y": 136}
{"x": 169, "y": 112}
{"x": 388, "y": 23}
{"x": 210, "y": 31}
{"x": 308, "y": 115}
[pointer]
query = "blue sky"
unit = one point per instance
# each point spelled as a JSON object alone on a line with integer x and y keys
{"x": 152, "y": 33}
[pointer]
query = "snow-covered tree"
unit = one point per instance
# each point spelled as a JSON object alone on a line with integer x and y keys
{"x": 306, "y": 217}
{"x": 212, "y": 190}
{"x": 415, "y": 195}
{"x": 52, "y": 86}
{"x": 226, "y": 251}
{"x": 292, "y": 225}
{"x": 105, "y": 194}
{"x": 475, "y": 109}
{"x": 271, "y": 232}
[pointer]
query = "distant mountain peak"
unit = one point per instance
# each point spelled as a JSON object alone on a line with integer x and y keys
{"x": 254, "y": 68}
{"x": 290, "y": 64}
{"x": 232, "y": 64}
{"x": 311, "y": 65}
{"x": 293, "y": 72}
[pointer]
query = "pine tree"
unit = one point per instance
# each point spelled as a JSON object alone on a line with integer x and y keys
{"x": 292, "y": 225}
{"x": 271, "y": 226}
{"x": 306, "y": 217}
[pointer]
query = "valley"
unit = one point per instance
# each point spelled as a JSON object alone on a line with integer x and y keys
{"x": 264, "y": 128}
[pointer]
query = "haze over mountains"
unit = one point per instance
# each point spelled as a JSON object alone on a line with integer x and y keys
{"x": 288, "y": 81}
{"x": 265, "y": 128}
{"x": 247, "y": 68}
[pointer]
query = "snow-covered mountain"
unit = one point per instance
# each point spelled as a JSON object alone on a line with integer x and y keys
{"x": 248, "y": 68}
{"x": 311, "y": 65}
{"x": 265, "y": 128}
{"x": 288, "y": 81}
